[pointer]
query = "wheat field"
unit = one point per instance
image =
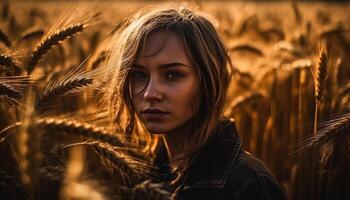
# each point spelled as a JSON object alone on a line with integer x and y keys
{"x": 290, "y": 98}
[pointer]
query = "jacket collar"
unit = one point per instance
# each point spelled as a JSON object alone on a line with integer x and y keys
{"x": 213, "y": 164}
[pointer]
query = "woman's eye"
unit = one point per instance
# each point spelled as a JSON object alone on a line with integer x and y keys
{"x": 138, "y": 75}
{"x": 173, "y": 75}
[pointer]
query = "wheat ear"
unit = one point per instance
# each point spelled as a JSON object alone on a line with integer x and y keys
{"x": 8, "y": 62}
{"x": 327, "y": 131}
{"x": 72, "y": 128}
{"x": 64, "y": 88}
{"x": 244, "y": 99}
{"x": 148, "y": 190}
{"x": 133, "y": 168}
{"x": 9, "y": 91}
{"x": 247, "y": 47}
{"x": 50, "y": 41}
{"x": 32, "y": 34}
{"x": 321, "y": 75}
{"x": 79, "y": 129}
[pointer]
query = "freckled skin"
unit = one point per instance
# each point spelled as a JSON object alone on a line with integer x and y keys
{"x": 170, "y": 89}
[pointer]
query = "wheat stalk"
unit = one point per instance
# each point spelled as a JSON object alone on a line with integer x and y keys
{"x": 28, "y": 147}
{"x": 320, "y": 82}
{"x": 50, "y": 41}
{"x": 74, "y": 186}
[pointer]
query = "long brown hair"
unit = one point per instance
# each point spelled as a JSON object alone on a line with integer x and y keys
{"x": 209, "y": 57}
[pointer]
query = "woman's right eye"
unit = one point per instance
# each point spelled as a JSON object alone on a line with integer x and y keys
{"x": 138, "y": 75}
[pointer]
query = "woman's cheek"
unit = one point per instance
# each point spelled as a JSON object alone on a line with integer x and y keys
{"x": 186, "y": 97}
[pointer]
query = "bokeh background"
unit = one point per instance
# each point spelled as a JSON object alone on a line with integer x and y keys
{"x": 289, "y": 97}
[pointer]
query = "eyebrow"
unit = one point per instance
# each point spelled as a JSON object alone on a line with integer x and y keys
{"x": 167, "y": 65}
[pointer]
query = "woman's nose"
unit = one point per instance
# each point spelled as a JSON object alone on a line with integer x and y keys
{"x": 153, "y": 91}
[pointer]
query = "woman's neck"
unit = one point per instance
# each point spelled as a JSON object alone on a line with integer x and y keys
{"x": 174, "y": 142}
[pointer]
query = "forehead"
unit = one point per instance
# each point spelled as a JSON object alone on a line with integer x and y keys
{"x": 163, "y": 46}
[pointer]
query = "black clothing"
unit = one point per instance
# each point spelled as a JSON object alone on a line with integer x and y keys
{"x": 223, "y": 171}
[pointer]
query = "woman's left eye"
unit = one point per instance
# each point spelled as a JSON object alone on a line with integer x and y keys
{"x": 173, "y": 75}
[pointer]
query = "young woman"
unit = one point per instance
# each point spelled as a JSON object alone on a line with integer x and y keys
{"x": 172, "y": 72}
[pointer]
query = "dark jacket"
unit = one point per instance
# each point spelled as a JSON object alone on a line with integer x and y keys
{"x": 223, "y": 171}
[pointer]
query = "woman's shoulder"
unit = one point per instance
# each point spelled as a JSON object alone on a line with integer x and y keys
{"x": 224, "y": 171}
{"x": 247, "y": 165}
{"x": 250, "y": 179}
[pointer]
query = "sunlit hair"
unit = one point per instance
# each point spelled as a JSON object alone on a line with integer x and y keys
{"x": 209, "y": 58}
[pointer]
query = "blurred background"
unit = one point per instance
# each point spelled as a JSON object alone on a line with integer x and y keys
{"x": 289, "y": 98}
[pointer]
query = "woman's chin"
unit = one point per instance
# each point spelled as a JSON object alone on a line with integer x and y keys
{"x": 155, "y": 129}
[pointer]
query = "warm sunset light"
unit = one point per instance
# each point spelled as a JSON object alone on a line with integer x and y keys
{"x": 155, "y": 100}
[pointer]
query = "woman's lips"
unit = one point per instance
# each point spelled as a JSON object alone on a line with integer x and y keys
{"x": 154, "y": 114}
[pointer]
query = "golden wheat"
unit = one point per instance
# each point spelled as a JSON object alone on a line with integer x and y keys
{"x": 61, "y": 89}
{"x": 50, "y": 41}
{"x": 8, "y": 62}
{"x": 10, "y": 92}
{"x": 133, "y": 169}
{"x": 273, "y": 98}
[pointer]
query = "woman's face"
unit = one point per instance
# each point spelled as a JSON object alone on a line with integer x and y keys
{"x": 164, "y": 83}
